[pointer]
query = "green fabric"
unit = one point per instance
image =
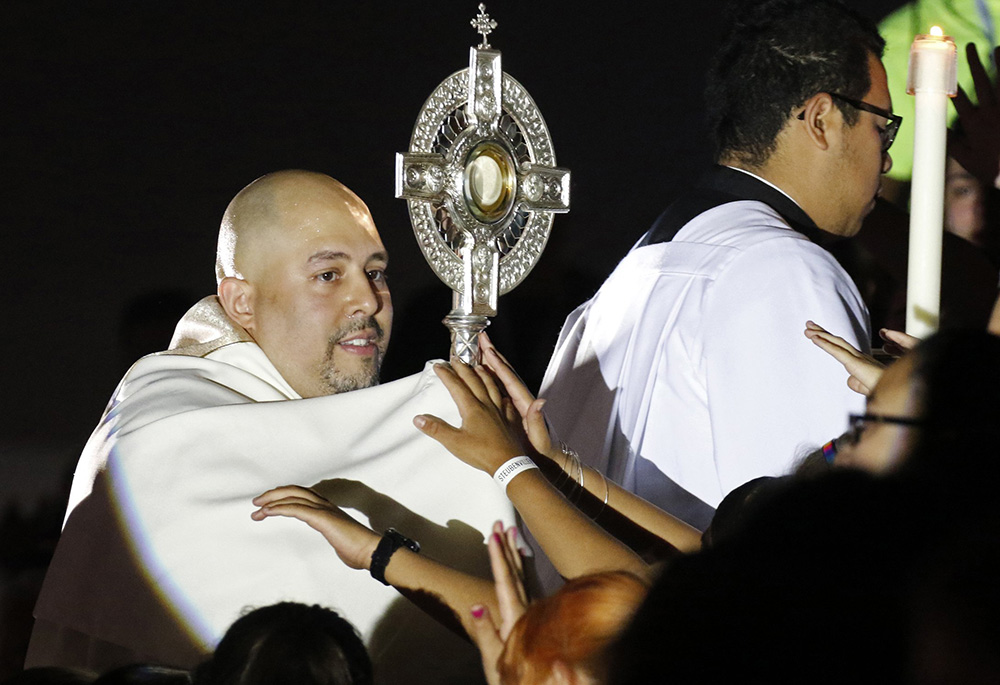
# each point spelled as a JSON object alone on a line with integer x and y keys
{"x": 959, "y": 19}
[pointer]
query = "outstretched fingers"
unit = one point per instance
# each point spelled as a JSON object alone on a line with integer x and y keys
{"x": 283, "y": 491}
{"x": 455, "y": 378}
{"x": 353, "y": 542}
{"x": 963, "y": 104}
{"x": 985, "y": 94}
{"x": 493, "y": 388}
{"x": 488, "y": 640}
{"x": 897, "y": 342}
{"x": 472, "y": 380}
{"x": 538, "y": 430}
{"x": 516, "y": 561}
{"x": 837, "y": 347}
{"x": 864, "y": 371}
{"x": 498, "y": 364}
{"x": 508, "y": 577}
{"x": 293, "y": 507}
{"x": 485, "y": 439}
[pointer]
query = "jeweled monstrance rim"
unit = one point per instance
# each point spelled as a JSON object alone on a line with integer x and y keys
{"x": 450, "y": 95}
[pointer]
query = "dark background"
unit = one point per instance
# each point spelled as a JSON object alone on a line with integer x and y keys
{"x": 127, "y": 127}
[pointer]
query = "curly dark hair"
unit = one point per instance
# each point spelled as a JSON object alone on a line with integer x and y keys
{"x": 775, "y": 55}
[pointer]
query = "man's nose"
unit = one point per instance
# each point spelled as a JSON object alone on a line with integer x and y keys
{"x": 363, "y": 297}
{"x": 886, "y": 162}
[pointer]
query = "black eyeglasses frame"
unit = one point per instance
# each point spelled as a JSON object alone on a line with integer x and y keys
{"x": 893, "y": 121}
{"x": 857, "y": 423}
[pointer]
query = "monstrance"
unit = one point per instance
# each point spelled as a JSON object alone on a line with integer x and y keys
{"x": 482, "y": 185}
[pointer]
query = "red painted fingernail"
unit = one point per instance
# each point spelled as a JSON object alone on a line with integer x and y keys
{"x": 477, "y": 611}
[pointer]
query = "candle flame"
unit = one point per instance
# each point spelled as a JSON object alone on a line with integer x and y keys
{"x": 936, "y": 31}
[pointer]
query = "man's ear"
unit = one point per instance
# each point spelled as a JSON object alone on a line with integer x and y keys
{"x": 821, "y": 120}
{"x": 236, "y": 297}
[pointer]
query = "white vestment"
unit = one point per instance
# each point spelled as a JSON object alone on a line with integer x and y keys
{"x": 159, "y": 554}
{"x": 688, "y": 374}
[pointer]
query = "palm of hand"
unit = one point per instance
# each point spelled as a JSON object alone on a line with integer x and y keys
{"x": 976, "y": 144}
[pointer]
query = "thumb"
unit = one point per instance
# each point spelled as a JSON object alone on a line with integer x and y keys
{"x": 439, "y": 429}
{"x": 857, "y": 386}
{"x": 536, "y": 428}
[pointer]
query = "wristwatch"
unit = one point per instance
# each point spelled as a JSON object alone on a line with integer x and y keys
{"x": 391, "y": 540}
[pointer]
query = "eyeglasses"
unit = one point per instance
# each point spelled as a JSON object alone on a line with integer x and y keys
{"x": 886, "y": 135}
{"x": 859, "y": 422}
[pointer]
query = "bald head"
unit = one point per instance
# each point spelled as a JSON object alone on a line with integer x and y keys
{"x": 301, "y": 268}
{"x": 271, "y": 210}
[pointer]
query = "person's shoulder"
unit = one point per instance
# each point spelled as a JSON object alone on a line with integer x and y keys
{"x": 768, "y": 250}
{"x": 790, "y": 256}
{"x": 163, "y": 385}
{"x": 740, "y": 224}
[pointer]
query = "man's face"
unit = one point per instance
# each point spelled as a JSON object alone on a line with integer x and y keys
{"x": 861, "y": 163}
{"x": 322, "y": 312}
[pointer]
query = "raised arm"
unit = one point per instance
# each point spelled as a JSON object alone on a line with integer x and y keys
{"x": 607, "y": 493}
{"x": 443, "y": 592}
{"x": 489, "y": 437}
{"x": 976, "y": 142}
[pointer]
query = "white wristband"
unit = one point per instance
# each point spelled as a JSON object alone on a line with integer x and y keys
{"x": 511, "y": 468}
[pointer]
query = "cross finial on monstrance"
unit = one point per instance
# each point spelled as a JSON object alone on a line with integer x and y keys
{"x": 481, "y": 182}
{"x": 483, "y": 25}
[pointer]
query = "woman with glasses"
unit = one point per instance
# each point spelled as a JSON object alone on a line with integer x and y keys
{"x": 934, "y": 411}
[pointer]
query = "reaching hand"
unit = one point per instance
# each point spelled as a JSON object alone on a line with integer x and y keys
{"x": 977, "y": 145}
{"x": 491, "y": 431}
{"x": 530, "y": 409}
{"x": 864, "y": 370}
{"x": 508, "y": 577}
{"x": 897, "y": 343}
{"x": 353, "y": 542}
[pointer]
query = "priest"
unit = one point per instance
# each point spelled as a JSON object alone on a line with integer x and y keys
{"x": 273, "y": 380}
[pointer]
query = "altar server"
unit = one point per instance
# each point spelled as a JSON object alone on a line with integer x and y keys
{"x": 686, "y": 375}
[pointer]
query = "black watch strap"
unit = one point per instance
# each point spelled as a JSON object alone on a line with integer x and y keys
{"x": 391, "y": 540}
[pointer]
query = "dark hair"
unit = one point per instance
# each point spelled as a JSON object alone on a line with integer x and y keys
{"x": 734, "y": 507}
{"x": 956, "y": 383}
{"x": 810, "y": 590}
{"x": 775, "y": 55}
{"x": 145, "y": 674}
{"x": 288, "y": 643}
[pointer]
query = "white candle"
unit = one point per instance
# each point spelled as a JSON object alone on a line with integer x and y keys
{"x": 932, "y": 80}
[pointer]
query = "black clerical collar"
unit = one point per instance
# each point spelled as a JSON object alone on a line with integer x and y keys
{"x": 722, "y": 185}
{"x": 746, "y": 186}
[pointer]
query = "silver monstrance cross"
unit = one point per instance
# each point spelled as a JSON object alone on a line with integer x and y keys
{"x": 484, "y": 26}
{"x": 482, "y": 186}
